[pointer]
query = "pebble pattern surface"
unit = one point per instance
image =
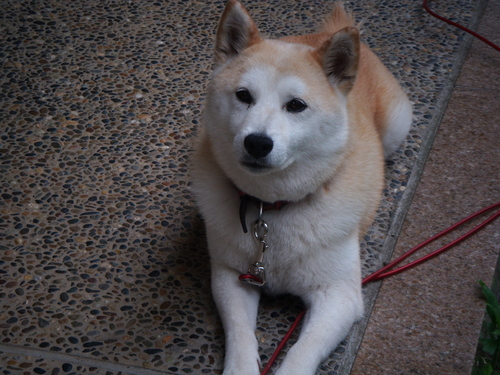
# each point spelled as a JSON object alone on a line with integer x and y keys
{"x": 102, "y": 253}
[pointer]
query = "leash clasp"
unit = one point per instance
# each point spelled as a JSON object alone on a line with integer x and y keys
{"x": 256, "y": 272}
{"x": 256, "y": 275}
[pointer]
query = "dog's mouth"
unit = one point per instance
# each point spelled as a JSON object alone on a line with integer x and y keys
{"x": 261, "y": 166}
{"x": 256, "y": 167}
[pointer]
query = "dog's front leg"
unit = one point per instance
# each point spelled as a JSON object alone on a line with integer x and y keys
{"x": 237, "y": 304}
{"x": 329, "y": 317}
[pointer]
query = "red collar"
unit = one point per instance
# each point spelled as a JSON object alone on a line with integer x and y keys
{"x": 245, "y": 198}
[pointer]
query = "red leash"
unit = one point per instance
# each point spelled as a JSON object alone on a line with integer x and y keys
{"x": 283, "y": 342}
{"x": 385, "y": 271}
{"x": 426, "y": 7}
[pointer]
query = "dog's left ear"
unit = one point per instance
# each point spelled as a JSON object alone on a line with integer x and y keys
{"x": 339, "y": 57}
{"x": 236, "y": 32}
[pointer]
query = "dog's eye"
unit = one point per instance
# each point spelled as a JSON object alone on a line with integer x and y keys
{"x": 296, "y": 105}
{"x": 244, "y": 96}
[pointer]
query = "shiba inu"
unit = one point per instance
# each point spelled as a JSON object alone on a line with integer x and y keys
{"x": 294, "y": 138}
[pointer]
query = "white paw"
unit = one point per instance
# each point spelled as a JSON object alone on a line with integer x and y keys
{"x": 250, "y": 368}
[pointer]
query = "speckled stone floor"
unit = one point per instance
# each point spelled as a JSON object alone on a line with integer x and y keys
{"x": 103, "y": 262}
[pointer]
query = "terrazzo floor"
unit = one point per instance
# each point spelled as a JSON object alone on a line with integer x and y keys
{"x": 103, "y": 263}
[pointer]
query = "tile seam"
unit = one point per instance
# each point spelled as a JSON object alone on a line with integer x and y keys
{"x": 473, "y": 88}
{"x": 78, "y": 360}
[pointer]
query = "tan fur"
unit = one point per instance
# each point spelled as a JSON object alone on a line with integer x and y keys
{"x": 336, "y": 20}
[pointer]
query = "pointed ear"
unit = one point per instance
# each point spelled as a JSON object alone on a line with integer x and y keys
{"x": 236, "y": 32}
{"x": 339, "y": 57}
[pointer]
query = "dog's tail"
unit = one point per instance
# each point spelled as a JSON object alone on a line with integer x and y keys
{"x": 338, "y": 19}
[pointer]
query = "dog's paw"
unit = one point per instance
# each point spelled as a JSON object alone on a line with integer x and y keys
{"x": 240, "y": 372}
{"x": 248, "y": 368}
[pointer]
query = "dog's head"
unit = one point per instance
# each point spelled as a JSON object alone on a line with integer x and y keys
{"x": 276, "y": 111}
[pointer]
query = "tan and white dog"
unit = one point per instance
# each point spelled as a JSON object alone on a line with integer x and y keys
{"x": 303, "y": 121}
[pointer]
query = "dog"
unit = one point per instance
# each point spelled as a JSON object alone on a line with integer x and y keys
{"x": 287, "y": 174}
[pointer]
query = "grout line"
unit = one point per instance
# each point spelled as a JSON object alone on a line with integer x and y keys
{"x": 77, "y": 360}
{"x": 371, "y": 290}
{"x": 476, "y": 88}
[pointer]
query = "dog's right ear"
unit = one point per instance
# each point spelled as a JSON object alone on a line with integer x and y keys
{"x": 339, "y": 56}
{"x": 236, "y": 32}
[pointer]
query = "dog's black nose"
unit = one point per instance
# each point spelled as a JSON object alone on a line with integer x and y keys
{"x": 258, "y": 145}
